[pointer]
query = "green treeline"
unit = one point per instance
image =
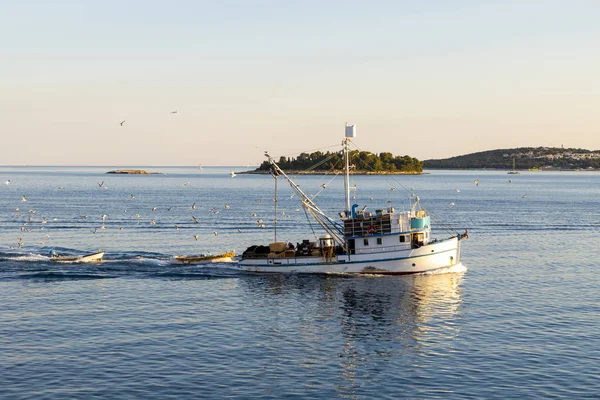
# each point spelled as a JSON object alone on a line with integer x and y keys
{"x": 524, "y": 157}
{"x": 360, "y": 161}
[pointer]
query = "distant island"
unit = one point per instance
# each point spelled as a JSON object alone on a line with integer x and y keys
{"x": 362, "y": 163}
{"x": 534, "y": 158}
{"x": 132, "y": 172}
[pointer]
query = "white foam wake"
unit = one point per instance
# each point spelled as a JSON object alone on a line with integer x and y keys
{"x": 454, "y": 269}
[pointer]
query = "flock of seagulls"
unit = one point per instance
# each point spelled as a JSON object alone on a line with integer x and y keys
{"x": 27, "y": 226}
{"x": 104, "y": 217}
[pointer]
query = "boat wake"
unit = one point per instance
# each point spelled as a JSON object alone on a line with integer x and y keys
{"x": 455, "y": 269}
{"x": 29, "y": 257}
{"x": 39, "y": 267}
{"x": 59, "y": 276}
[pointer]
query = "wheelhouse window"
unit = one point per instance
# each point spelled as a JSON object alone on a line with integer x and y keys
{"x": 379, "y": 241}
{"x": 402, "y": 238}
{"x": 366, "y": 242}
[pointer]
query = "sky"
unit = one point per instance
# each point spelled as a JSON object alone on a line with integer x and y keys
{"x": 429, "y": 79}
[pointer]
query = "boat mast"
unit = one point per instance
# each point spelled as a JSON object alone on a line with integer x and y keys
{"x": 325, "y": 221}
{"x": 350, "y": 133}
{"x": 275, "y": 211}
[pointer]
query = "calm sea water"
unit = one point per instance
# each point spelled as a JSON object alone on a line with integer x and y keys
{"x": 522, "y": 320}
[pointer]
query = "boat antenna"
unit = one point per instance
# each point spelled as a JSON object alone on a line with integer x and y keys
{"x": 350, "y": 133}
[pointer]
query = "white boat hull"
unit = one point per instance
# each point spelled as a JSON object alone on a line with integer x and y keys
{"x": 199, "y": 261}
{"x": 89, "y": 258}
{"x": 426, "y": 258}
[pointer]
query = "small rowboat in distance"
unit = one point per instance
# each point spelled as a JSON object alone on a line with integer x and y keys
{"x": 88, "y": 258}
{"x": 203, "y": 258}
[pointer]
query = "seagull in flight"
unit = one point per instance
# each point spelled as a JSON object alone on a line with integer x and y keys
{"x": 174, "y": 112}
{"x": 196, "y": 237}
{"x": 100, "y": 184}
{"x": 23, "y": 198}
{"x": 525, "y": 195}
{"x": 7, "y": 182}
{"x": 233, "y": 174}
{"x": 122, "y": 122}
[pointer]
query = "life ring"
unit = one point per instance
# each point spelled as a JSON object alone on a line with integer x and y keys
{"x": 372, "y": 229}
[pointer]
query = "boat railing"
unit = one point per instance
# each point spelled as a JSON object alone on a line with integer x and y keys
{"x": 383, "y": 249}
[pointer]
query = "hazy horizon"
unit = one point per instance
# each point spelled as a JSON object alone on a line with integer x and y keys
{"x": 427, "y": 80}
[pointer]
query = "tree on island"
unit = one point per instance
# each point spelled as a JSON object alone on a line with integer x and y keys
{"x": 363, "y": 161}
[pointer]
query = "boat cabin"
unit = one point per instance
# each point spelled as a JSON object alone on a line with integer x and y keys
{"x": 386, "y": 230}
{"x": 363, "y": 233}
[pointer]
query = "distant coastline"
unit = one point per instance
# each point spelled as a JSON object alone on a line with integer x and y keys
{"x": 524, "y": 158}
{"x": 133, "y": 172}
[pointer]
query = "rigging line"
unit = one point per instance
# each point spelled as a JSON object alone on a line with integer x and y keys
{"x": 327, "y": 223}
{"x": 312, "y": 151}
{"x": 337, "y": 236}
{"x": 312, "y": 167}
{"x": 310, "y": 223}
{"x": 443, "y": 224}
{"x": 325, "y": 185}
{"x": 449, "y": 228}
{"x": 331, "y": 170}
{"x": 296, "y": 188}
{"x": 387, "y": 178}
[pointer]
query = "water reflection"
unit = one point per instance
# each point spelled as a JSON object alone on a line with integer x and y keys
{"x": 372, "y": 324}
{"x": 403, "y": 317}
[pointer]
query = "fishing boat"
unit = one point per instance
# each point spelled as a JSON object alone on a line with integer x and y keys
{"x": 203, "y": 258}
{"x": 87, "y": 258}
{"x": 513, "y": 171}
{"x": 386, "y": 242}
